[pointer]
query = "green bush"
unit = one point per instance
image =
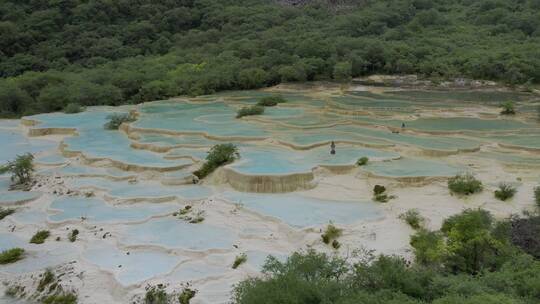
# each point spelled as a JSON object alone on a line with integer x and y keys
{"x": 505, "y": 191}
{"x": 271, "y": 101}
{"x": 239, "y": 260}
{"x": 5, "y": 212}
{"x": 413, "y": 218}
{"x": 61, "y": 298}
{"x": 156, "y": 295}
{"x": 21, "y": 169}
{"x": 73, "y": 108}
{"x": 115, "y": 120}
{"x": 378, "y": 189}
{"x": 249, "y": 111}
{"x": 331, "y": 233}
{"x": 508, "y": 108}
{"x": 186, "y": 295}
{"x": 11, "y": 255}
{"x": 362, "y": 161}
{"x": 40, "y": 237}
{"x": 467, "y": 261}
{"x": 464, "y": 184}
{"x": 380, "y": 195}
{"x": 218, "y": 156}
{"x": 73, "y": 235}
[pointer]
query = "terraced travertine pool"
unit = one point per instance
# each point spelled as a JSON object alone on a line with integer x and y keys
{"x": 132, "y": 196}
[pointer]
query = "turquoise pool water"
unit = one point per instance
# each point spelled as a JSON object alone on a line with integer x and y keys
{"x": 138, "y": 266}
{"x": 96, "y": 142}
{"x": 15, "y": 143}
{"x": 189, "y": 117}
{"x": 152, "y": 189}
{"x": 410, "y": 167}
{"x": 274, "y": 160}
{"x": 176, "y": 233}
{"x": 301, "y": 211}
{"x": 95, "y": 210}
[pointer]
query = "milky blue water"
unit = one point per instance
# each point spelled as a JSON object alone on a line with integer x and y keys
{"x": 301, "y": 211}
{"x": 95, "y": 210}
{"x": 411, "y": 167}
{"x": 176, "y": 233}
{"x": 138, "y": 266}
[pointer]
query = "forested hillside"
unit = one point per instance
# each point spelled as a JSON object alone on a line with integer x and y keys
{"x": 55, "y": 52}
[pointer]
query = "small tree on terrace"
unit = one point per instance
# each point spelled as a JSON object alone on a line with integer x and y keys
{"x": 21, "y": 168}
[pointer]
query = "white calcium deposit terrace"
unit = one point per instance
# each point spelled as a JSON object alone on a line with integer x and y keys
{"x": 125, "y": 191}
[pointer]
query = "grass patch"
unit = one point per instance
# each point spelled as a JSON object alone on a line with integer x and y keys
{"x": 464, "y": 184}
{"x": 331, "y": 233}
{"x": 505, "y": 191}
{"x": 508, "y": 108}
{"x": 40, "y": 237}
{"x": 413, "y": 218}
{"x": 11, "y": 255}
{"x": 73, "y": 235}
{"x": 186, "y": 295}
{"x": 156, "y": 295}
{"x": 115, "y": 120}
{"x": 61, "y": 298}
{"x": 73, "y": 108}
{"x": 362, "y": 161}
{"x": 47, "y": 278}
{"x": 271, "y": 101}
{"x": 239, "y": 260}
{"x": 5, "y": 212}
{"x": 218, "y": 156}
{"x": 250, "y": 111}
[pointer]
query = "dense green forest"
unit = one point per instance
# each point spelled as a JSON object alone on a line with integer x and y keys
{"x": 471, "y": 260}
{"x": 93, "y": 52}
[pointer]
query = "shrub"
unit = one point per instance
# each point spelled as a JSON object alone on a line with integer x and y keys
{"x": 249, "y": 111}
{"x": 155, "y": 295}
{"x": 525, "y": 233}
{"x": 40, "y": 237}
{"x": 413, "y": 218}
{"x": 73, "y": 235}
{"x": 362, "y": 161}
{"x": 378, "y": 189}
{"x": 537, "y": 196}
{"x": 336, "y": 244}
{"x": 5, "y": 212}
{"x": 429, "y": 247}
{"x": 116, "y": 119}
{"x": 331, "y": 233}
{"x": 11, "y": 255}
{"x": 464, "y": 184}
{"x": 61, "y": 298}
{"x": 508, "y": 108}
{"x": 73, "y": 108}
{"x": 21, "y": 168}
{"x": 271, "y": 101}
{"x": 47, "y": 278}
{"x": 473, "y": 244}
{"x": 186, "y": 295}
{"x": 379, "y": 194}
{"x": 505, "y": 191}
{"x": 218, "y": 156}
{"x": 239, "y": 260}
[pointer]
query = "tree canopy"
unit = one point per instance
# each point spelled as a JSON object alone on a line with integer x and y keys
{"x": 93, "y": 52}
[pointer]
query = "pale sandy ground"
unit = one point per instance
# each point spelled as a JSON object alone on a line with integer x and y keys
{"x": 387, "y": 235}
